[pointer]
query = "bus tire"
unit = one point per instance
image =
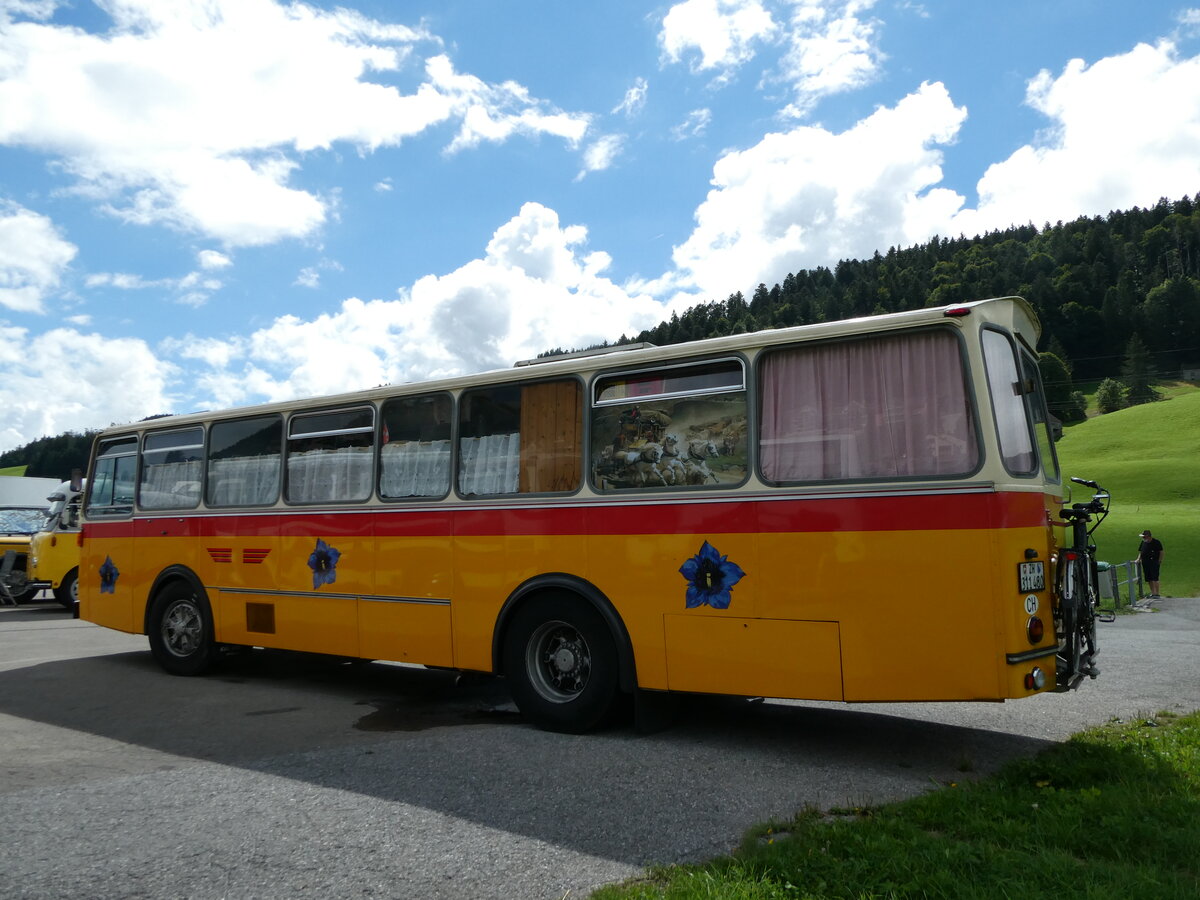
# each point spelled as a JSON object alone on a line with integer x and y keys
{"x": 181, "y": 629}
{"x": 67, "y": 592}
{"x": 561, "y": 663}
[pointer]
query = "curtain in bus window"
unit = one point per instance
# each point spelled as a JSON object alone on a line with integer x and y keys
{"x": 886, "y": 407}
{"x": 1012, "y": 424}
{"x": 329, "y": 474}
{"x": 244, "y": 462}
{"x": 490, "y": 464}
{"x": 414, "y": 469}
{"x": 243, "y": 481}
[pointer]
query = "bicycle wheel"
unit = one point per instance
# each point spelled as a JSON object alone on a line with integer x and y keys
{"x": 1072, "y": 598}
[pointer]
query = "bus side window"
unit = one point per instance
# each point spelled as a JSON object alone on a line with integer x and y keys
{"x": 329, "y": 456}
{"x": 112, "y": 487}
{"x": 680, "y": 426}
{"x": 244, "y": 462}
{"x": 884, "y": 407}
{"x": 1013, "y": 427}
{"x": 172, "y": 463}
{"x": 414, "y": 447}
{"x": 521, "y": 439}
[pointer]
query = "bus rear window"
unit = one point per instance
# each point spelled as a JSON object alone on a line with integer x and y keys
{"x": 896, "y": 406}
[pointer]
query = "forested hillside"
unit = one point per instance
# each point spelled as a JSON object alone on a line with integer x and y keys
{"x": 1095, "y": 283}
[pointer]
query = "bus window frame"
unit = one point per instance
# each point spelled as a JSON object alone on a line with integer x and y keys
{"x": 747, "y": 388}
{"x": 1026, "y": 354}
{"x": 379, "y": 445}
{"x": 142, "y": 450}
{"x": 213, "y": 424}
{"x": 1015, "y": 346}
{"x": 969, "y": 393}
{"x": 372, "y": 447}
{"x": 457, "y": 436}
{"x": 599, "y": 377}
{"x": 106, "y": 512}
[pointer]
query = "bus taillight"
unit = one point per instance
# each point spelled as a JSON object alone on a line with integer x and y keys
{"x": 1035, "y": 630}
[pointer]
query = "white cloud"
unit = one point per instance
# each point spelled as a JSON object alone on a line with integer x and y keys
{"x": 535, "y": 288}
{"x": 191, "y": 113}
{"x": 809, "y": 197}
{"x": 635, "y": 99}
{"x": 1124, "y": 132}
{"x": 211, "y": 259}
{"x": 309, "y": 277}
{"x": 33, "y": 257}
{"x": 600, "y": 154}
{"x": 108, "y": 380}
{"x": 832, "y": 49}
{"x": 495, "y": 113}
{"x": 694, "y": 125}
{"x": 193, "y": 289}
{"x": 724, "y": 32}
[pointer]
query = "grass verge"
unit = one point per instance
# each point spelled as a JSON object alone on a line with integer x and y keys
{"x": 1113, "y": 812}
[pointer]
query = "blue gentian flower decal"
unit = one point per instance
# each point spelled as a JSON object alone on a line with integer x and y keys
{"x": 108, "y": 576}
{"x": 710, "y": 578}
{"x": 323, "y": 562}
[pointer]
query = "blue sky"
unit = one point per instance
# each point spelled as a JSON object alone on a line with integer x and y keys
{"x": 211, "y": 203}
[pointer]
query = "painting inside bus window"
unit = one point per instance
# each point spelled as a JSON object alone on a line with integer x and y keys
{"x": 683, "y": 427}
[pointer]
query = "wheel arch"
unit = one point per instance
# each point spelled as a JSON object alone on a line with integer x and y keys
{"x": 555, "y": 582}
{"x": 172, "y": 575}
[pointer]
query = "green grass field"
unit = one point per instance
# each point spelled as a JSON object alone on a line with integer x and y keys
{"x": 1147, "y": 457}
{"x": 1111, "y": 813}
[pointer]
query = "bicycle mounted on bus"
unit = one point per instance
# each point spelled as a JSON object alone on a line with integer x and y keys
{"x": 1079, "y": 591}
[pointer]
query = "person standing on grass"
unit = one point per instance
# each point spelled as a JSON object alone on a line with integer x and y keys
{"x": 1150, "y": 555}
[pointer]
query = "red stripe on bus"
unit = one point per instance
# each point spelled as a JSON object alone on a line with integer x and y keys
{"x": 922, "y": 512}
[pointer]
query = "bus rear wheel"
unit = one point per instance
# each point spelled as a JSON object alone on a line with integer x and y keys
{"x": 561, "y": 663}
{"x": 181, "y": 630}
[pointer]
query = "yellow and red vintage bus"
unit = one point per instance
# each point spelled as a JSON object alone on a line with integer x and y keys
{"x": 860, "y": 510}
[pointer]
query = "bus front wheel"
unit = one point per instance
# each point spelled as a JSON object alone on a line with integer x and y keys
{"x": 561, "y": 663}
{"x": 181, "y": 630}
{"x": 67, "y": 592}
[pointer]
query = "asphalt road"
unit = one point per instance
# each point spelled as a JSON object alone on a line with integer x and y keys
{"x": 294, "y": 777}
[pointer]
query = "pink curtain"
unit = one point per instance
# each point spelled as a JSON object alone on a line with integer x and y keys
{"x": 888, "y": 407}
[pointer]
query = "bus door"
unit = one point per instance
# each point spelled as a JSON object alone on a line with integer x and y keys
{"x": 107, "y": 582}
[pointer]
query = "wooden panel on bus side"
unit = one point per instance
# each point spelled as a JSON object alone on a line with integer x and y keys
{"x": 756, "y": 657}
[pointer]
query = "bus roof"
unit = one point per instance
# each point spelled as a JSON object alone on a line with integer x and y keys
{"x": 1012, "y": 313}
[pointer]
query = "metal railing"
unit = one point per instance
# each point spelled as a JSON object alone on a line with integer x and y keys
{"x": 1122, "y": 583}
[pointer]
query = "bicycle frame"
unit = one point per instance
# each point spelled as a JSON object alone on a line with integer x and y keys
{"x": 1079, "y": 591}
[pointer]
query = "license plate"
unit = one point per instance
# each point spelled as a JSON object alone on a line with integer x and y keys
{"x": 1032, "y": 576}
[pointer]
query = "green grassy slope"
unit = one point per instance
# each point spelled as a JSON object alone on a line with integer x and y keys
{"x": 1149, "y": 458}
